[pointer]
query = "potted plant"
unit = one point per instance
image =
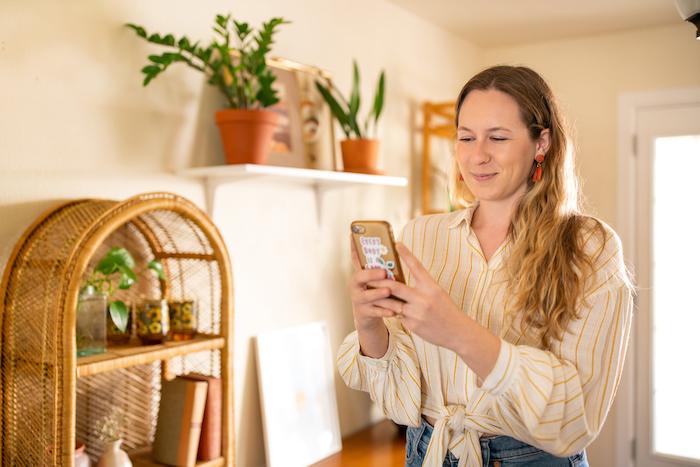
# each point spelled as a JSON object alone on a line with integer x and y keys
{"x": 97, "y": 295}
{"x": 234, "y": 62}
{"x": 359, "y": 152}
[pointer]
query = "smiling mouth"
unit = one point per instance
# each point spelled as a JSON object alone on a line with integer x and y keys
{"x": 484, "y": 176}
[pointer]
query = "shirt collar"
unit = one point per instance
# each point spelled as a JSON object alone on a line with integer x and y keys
{"x": 463, "y": 215}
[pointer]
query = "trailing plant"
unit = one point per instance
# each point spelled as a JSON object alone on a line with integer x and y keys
{"x": 234, "y": 61}
{"x": 346, "y": 111}
{"x": 116, "y": 265}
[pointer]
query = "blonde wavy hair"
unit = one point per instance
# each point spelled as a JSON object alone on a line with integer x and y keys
{"x": 547, "y": 267}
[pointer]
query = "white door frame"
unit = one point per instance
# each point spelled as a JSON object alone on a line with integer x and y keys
{"x": 629, "y": 105}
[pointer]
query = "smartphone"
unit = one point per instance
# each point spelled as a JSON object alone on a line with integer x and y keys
{"x": 374, "y": 242}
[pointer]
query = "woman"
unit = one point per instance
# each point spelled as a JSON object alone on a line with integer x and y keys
{"x": 510, "y": 340}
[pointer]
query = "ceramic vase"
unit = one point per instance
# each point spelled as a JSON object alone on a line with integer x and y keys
{"x": 81, "y": 459}
{"x": 114, "y": 456}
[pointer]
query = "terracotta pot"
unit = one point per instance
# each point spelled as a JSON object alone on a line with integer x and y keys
{"x": 360, "y": 155}
{"x": 246, "y": 134}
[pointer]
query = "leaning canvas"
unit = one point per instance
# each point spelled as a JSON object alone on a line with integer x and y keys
{"x": 297, "y": 393}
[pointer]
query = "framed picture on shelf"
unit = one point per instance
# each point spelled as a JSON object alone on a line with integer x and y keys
{"x": 305, "y": 135}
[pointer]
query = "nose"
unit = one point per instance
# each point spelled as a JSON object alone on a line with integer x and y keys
{"x": 481, "y": 153}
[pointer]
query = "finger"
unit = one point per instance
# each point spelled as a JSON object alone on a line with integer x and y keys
{"x": 370, "y": 295}
{"x": 363, "y": 276}
{"x": 354, "y": 256}
{"x": 371, "y": 311}
{"x": 414, "y": 265}
{"x": 379, "y": 312}
{"x": 391, "y": 304}
{"x": 398, "y": 289}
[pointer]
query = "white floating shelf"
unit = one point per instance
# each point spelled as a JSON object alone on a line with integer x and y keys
{"x": 318, "y": 178}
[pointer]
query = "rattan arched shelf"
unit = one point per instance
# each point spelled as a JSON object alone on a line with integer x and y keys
{"x": 49, "y": 396}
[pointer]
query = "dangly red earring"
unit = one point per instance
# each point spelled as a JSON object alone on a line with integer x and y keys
{"x": 537, "y": 176}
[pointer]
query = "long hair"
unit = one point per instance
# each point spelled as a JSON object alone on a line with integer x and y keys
{"x": 547, "y": 266}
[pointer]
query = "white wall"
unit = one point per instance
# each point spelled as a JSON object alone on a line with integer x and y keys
{"x": 75, "y": 122}
{"x": 588, "y": 75}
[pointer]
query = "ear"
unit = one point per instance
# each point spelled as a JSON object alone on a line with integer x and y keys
{"x": 543, "y": 142}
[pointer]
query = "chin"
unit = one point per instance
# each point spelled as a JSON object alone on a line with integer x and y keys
{"x": 486, "y": 195}
{"x": 498, "y": 192}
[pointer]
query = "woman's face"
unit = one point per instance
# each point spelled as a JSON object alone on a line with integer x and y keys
{"x": 494, "y": 149}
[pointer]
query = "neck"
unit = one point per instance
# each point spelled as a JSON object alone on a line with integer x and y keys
{"x": 495, "y": 215}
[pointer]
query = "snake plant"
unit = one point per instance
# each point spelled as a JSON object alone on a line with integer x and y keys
{"x": 346, "y": 111}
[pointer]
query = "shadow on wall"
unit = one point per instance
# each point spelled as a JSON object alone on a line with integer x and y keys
{"x": 168, "y": 107}
{"x": 252, "y": 433}
{"x": 204, "y": 143}
{"x": 16, "y": 219}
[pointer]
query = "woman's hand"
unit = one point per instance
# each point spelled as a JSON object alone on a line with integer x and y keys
{"x": 428, "y": 310}
{"x": 372, "y": 333}
{"x": 430, "y": 313}
{"x": 364, "y": 300}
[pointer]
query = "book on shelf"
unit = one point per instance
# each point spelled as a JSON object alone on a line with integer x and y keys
{"x": 210, "y": 437}
{"x": 180, "y": 415}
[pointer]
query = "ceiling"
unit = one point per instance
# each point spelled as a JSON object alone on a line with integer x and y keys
{"x": 491, "y": 23}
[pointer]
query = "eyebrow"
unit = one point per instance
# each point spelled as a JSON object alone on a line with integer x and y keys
{"x": 495, "y": 128}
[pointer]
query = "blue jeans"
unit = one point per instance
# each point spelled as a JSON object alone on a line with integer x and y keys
{"x": 508, "y": 451}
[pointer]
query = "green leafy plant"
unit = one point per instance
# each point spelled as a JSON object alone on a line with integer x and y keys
{"x": 345, "y": 111}
{"x": 116, "y": 265}
{"x": 234, "y": 61}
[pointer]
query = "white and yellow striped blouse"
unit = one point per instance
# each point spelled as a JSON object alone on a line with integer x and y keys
{"x": 555, "y": 400}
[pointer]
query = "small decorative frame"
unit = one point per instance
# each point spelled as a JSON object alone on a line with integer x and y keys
{"x": 305, "y": 136}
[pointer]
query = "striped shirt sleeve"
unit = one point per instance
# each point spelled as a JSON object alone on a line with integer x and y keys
{"x": 392, "y": 381}
{"x": 558, "y": 399}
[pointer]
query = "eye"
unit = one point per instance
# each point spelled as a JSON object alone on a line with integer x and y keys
{"x": 466, "y": 138}
{"x": 499, "y": 138}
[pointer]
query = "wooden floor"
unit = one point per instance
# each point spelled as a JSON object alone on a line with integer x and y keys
{"x": 380, "y": 445}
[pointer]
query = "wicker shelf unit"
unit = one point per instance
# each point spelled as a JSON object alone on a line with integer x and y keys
{"x": 50, "y": 397}
{"x": 125, "y": 356}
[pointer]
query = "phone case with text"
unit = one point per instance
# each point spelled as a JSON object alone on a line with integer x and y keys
{"x": 374, "y": 242}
